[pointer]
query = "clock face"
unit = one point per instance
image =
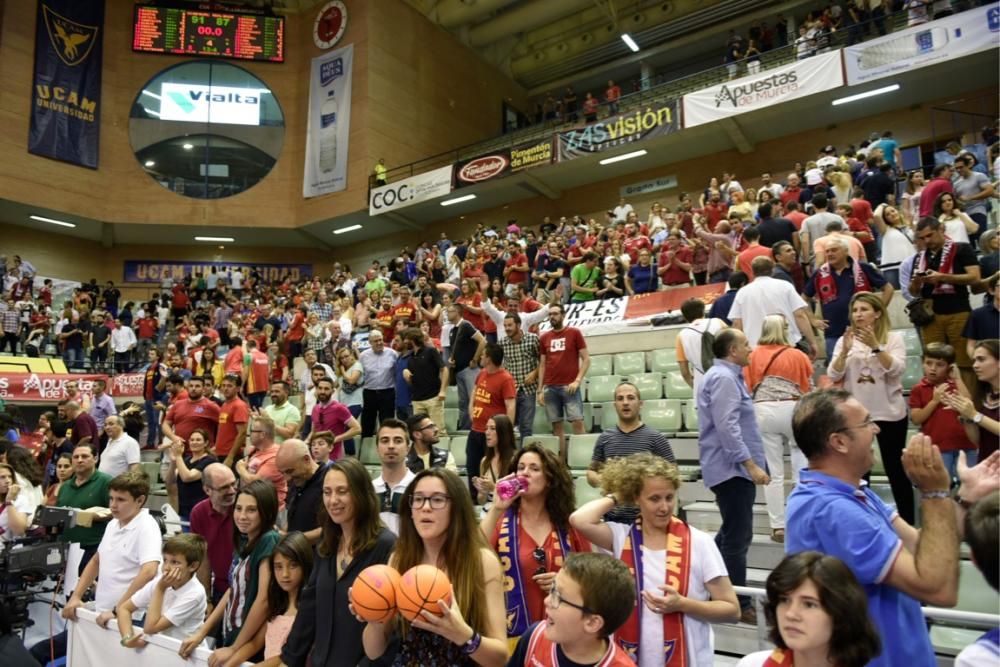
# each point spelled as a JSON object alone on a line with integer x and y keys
{"x": 330, "y": 24}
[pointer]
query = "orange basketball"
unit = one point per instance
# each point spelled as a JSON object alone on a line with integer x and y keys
{"x": 374, "y": 593}
{"x": 420, "y": 588}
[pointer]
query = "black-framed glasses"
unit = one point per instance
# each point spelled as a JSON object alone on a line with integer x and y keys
{"x": 867, "y": 423}
{"x": 427, "y": 427}
{"x": 437, "y": 501}
{"x": 555, "y": 599}
{"x": 539, "y": 555}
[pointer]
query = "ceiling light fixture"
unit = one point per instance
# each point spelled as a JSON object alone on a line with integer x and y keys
{"x": 344, "y": 230}
{"x": 629, "y": 42}
{"x": 187, "y": 147}
{"x": 51, "y": 221}
{"x": 150, "y": 163}
{"x": 215, "y": 239}
{"x": 871, "y": 93}
{"x": 457, "y": 200}
{"x": 623, "y": 156}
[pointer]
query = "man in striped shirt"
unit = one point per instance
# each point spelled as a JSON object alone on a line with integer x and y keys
{"x": 628, "y": 436}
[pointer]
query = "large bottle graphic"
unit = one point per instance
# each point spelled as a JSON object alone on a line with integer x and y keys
{"x": 328, "y": 134}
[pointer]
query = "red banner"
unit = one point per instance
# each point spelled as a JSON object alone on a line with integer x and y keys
{"x": 658, "y": 303}
{"x": 51, "y": 387}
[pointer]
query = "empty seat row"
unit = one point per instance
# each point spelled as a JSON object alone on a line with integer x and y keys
{"x": 632, "y": 363}
{"x": 601, "y": 388}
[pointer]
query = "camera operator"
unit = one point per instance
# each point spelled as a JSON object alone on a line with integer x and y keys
{"x": 128, "y": 558}
{"x": 16, "y": 508}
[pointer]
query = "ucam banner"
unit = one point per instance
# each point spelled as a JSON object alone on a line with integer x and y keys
{"x": 944, "y": 39}
{"x": 643, "y": 123}
{"x": 66, "y": 87}
{"x": 633, "y": 313}
{"x": 410, "y": 191}
{"x": 774, "y": 86}
{"x": 329, "y": 126}
{"x": 158, "y": 270}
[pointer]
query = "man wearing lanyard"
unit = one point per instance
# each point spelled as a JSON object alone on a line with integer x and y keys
{"x": 392, "y": 443}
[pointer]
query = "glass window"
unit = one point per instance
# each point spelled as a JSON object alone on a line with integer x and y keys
{"x": 206, "y": 129}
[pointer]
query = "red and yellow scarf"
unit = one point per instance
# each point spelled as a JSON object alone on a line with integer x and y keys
{"x": 678, "y": 573}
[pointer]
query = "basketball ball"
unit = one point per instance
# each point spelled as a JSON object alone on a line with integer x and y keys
{"x": 420, "y": 588}
{"x": 374, "y": 593}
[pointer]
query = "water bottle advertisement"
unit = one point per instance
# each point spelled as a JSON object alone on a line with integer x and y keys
{"x": 329, "y": 123}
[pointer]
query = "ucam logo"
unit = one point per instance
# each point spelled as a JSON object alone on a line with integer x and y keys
{"x": 195, "y": 103}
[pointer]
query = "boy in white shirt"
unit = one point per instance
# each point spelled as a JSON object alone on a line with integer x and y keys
{"x": 174, "y": 601}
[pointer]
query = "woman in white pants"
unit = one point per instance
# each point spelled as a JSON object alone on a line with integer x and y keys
{"x": 777, "y": 375}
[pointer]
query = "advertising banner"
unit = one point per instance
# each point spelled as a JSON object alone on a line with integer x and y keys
{"x": 759, "y": 91}
{"x": 944, "y": 39}
{"x": 157, "y": 270}
{"x": 66, "y": 86}
{"x": 652, "y": 121}
{"x": 90, "y": 644}
{"x": 531, "y": 154}
{"x": 482, "y": 168}
{"x": 633, "y": 313}
{"x": 329, "y": 126}
{"x": 51, "y": 387}
{"x": 652, "y": 185}
{"x": 410, "y": 191}
{"x": 195, "y": 103}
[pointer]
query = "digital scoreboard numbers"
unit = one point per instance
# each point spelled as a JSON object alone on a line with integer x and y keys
{"x": 200, "y": 33}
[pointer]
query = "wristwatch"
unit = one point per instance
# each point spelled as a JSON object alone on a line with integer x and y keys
{"x": 876, "y": 350}
{"x": 978, "y": 418}
{"x": 471, "y": 646}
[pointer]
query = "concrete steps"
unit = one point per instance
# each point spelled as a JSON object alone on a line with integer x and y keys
{"x": 705, "y": 516}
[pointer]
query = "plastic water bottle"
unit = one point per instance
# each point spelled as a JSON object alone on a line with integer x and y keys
{"x": 328, "y": 134}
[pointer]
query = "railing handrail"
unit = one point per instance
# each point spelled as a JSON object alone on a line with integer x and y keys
{"x": 673, "y": 87}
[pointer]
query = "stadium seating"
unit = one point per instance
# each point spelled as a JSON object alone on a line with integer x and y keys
{"x": 541, "y": 424}
{"x": 663, "y": 360}
{"x": 913, "y": 373}
{"x": 457, "y": 448}
{"x": 580, "y": 451}
{"x": 451, "y": 397}
{"x": 664, "y": 415}
{"x": 549, "y": 442}
{"x": 600, "y": 364}
{"x": 630, "y": 363}
{"x": 650, "y": 385}
{"x": 690, "y": 416}
{"x": 674, "y": 386}
{"x": 583, "y": 491}
{"x": 601, "y": 388}
{"x": 451, "y": 419}
{"x": 912, "y": 340}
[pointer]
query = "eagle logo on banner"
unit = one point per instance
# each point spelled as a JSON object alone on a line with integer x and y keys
{"x": 71, "y": 40}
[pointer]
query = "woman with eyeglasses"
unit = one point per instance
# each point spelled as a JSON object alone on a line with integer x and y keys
{"x": 532, "y": 534}
{"x": 868, "y": 361}
{"x": 676, "y": 607}
{"x": 437, "y": 526}
{"x": 325, "y": 633}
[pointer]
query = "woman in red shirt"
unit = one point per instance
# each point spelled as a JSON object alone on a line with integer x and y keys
{"x": 471, "y": 301}
{"x": 531, "y": 533}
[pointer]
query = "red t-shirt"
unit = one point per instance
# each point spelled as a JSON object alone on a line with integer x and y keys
{"x": 561, "y": 350}
{"x": 744, "y": 259}
{"x": 714, "y": 213}
{"x": 233, "y": 362}
{"x": 407, "y": 311}
{"x": 634, "y": 244}
{"x": 856, "y": 225}
{"x": 383, "y": 320}
{"x": 259, "y": 372}
{"x": 148, "y": 327}
{"x": 297, "y": 329}
{"x": 492, "y": 389}
{"x": 474, "y": 319}
{"x": 186, "y": 416}
{"x": 797, "y": 217}
{"x": 675, "y": 275}
{"x": 217, "y": 529}
{"x": 279, "y": 365}
{"x": 534, "y": 596}
{"x": 613, "y": 93}
{"x": 862, "y": 210}
{"x": 263, "y": 464}
{"x": 517, "y": 277}
{"x": 180, "y": 297}
{"x": 942, "y": 426}
{"x": 934, "y": 189}
{"x": 790, "y": 194}
{"x": 231, "y": 415}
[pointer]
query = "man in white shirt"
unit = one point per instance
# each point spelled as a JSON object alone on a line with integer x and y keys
{"x": 770, "y": 296}
{"x": 622, "y": 210}
{"x": 392, "y": 443}
{"x": 122, "y": 343}
{"x": 689, "y": 340}
{"x": 774, "y": 188}
{"x": 122, "y": 452}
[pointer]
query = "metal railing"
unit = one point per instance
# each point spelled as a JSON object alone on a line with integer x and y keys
{"x": 665, "y": 86}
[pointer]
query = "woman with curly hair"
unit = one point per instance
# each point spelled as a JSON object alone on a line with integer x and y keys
{"x": 818, "y": 616}
{"x": 676, "y": 607}
{"x": 532, "y": 534}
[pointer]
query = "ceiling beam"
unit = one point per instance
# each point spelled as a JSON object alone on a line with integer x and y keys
{"x": 739, "y": 138}
{"x": 539, "y": 187}
{"x": 402, "y": 220}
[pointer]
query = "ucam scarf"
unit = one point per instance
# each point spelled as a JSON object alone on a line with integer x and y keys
{"x": 826, "y": 281}
{"x": 946, "y": 265}
{"x": 678, "y": 573}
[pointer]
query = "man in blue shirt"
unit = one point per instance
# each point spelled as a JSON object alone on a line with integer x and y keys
{"x": 731, "y": 453}
{"x": 720, "y": 307}
{"x": 833, "y": 511}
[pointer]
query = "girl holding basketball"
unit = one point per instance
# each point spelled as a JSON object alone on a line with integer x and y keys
{"x": 532, "y": 534}
{"x": 243, "y": 608}
{"x": 291, "y": 563}
{"x": 325, "y": 633}
{"x": 671, "y": 621}
{"x": 437, "y": 527}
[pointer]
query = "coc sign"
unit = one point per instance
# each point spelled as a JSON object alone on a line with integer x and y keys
{"x": 410, "y": 191}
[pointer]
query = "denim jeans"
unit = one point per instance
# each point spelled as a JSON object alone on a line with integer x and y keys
{"x": 951, "y": 460}
{"x": 525, "y": 414}
{"x": 735, "y": 499}
{"x": 466, "y": 381}
{"x": 73, "y": 356}
{"x": 152, "y": 424}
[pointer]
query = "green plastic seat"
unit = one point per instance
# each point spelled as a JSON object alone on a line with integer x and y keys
{"x": 674, "y": 386}
{"x": 663, "y": 360}
{"x": 630, "y": 363}
{"x": 451, "y": 419}
{"x": 609, "y": 418}
{"x": 457, "y": 448}
{"x": 549, "y": 442}
{"x": 369, "y": 453}
{"x": 664, "y": 415}
{"x": 451, "y": 397}
{"x": 913, "y": 372}
{"x": 583, "y": 491}
{"x": 600, "y": 364}
{"x": 650, "y": 385}
{"x": 690, "y": 416}
{"x": 912, "y": 341}
{"x": 601, "y": 388}
{"x": 581, "y": 451}
{"x": 541, "y": 424}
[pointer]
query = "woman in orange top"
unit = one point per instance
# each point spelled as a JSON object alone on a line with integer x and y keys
{"x": 471, "y": 301}
{"x": 777, "y": 376}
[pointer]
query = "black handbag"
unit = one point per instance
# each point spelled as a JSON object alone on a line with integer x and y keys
{"x": 920, "y": 312}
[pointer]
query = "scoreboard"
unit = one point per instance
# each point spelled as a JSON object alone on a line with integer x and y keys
{"x": 208, "y": 33}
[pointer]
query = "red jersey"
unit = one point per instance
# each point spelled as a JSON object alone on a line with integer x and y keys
{"x": 674, "y": 275}
{"x": 744, "y": 259}
{"x": 258, "y": 372}
{"x": 714, "y": 213}
{"x": 383, "y": 320}
{"x": 796, "y": 217}
{"x": 405, "y": 311}
{"x": 231, "y": 415}
{"x": 186, "y": 416}
{"x": 45, "y": 294}
{"x": 492, "y": 390}
{"x": 790, "y": 194}
{"x": 277, "y": 368}
{"x": 561, "y": 350}
{"x": 148, "y": 327}
{"x": 634, "y": 244}
{"x": 233, "y": 363}
{"x": 180, "y": 297}
{"x": 517, "y": 277}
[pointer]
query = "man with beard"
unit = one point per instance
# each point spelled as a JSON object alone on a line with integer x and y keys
{"x": 331, "y": 415}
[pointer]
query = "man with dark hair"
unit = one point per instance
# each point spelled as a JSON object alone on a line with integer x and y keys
{"x": 879, "y": 186}
{"x": 392, "y": 445}
{"x": 521, "y": 356}
{"x": 286, "y": 417}
{"x": 973, "y": 190}
{"x": 753, "y": 250}
{"x": 465, "y": 346}
{"x": 983, "y": 322}
{"x": 689, "y": 341}
{"x": 731, "y": 453}
{"x": 982, "y": 532}
{"x": 814, "y": 227}
{"x": 423, "y": 454}
{"x": 833, "y": 511}
{"x": 943, "y": 272}
{"x": 563, "y": 364}
{"x": 584, "y": 278}
{"x": 234, "y": 414}
{"x": 937, "y": 186}
{"x": 494, "y": 394}
{"x": 769, "y": 296}
{"x": 773, "y": 229}
{"x": 721, "y": 306}
{"x": 427, "y": 377}
{"x": 329, "y": 414}
{"x": 786, "y": 265}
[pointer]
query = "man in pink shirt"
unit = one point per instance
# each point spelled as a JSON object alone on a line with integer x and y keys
{"x": 261, "y": 464}
{"x": 938, "y": 185}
